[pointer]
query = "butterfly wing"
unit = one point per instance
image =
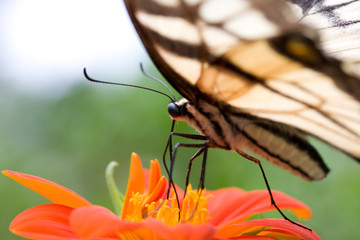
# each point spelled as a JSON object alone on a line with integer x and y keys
{"x": 337, "y": 22}
{"x": 253, "y": 56}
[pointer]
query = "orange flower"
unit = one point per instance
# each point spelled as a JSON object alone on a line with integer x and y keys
{"x": 146, "y": 214}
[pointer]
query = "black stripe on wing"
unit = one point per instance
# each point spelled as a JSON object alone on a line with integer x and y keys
{"x": 305, "y": 5}
{"x": 155, "y": 8}
{"x": 147, "y": 36}
{"x": 323, "y": 8}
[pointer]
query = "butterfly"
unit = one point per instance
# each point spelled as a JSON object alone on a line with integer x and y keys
{"x": 255, "y": 76}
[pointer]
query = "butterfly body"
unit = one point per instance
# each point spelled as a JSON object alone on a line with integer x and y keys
{"x": 253, "y": 78}
{"x": 230, "y": 129}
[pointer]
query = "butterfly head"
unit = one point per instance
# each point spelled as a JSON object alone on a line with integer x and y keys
{"x": 177, "y": 109}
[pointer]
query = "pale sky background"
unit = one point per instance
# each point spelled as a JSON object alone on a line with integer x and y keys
{"x": 45, "y": 44}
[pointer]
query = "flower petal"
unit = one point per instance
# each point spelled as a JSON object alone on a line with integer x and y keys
{"x": 241, "y": 205}
{"x": 230, "y": 230}
{"x": 158, "y": 191}
{"x": 253, "y": 238}
{"x": 50, "y": 190}
{"x": 136, "y": 183}
{"x": 95, "y": 222}
{"x": 283, "y": 224}
{"x": 220, "y": 211}
{"x": 44, "y": 222}
{"x": 279, "y": 233}
{"x": 155, "y": 175}
{"x": 183, "y": 231}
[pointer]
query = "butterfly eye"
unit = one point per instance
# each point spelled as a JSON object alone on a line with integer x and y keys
{"x": 174, "y": 110}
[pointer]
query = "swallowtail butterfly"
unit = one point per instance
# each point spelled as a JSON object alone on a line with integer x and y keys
{"x": 255, "y": 76}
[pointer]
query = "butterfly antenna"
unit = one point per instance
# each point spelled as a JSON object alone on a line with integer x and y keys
{"x": 156, "y": 79}
{"x": 124, "y": 84}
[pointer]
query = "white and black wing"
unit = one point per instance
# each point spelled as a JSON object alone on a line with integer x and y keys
{"x": 338, "y": 23}
{"x": 252, "y": 57}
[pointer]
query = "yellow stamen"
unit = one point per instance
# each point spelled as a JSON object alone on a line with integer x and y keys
{"x": 193, "y": 209}
{"x": 136, "y": 200}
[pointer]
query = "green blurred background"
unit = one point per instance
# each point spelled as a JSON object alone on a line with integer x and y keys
{"x": 56, "y": 125}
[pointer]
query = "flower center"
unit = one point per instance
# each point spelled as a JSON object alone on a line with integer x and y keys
{"x": 193, "y": 209}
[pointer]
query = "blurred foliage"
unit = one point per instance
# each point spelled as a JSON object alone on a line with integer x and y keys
{"x": 71, "y": 139}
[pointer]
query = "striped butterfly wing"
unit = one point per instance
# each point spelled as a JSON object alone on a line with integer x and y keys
{"x": 337, "y": 22}
{"x": 251, "y": 63}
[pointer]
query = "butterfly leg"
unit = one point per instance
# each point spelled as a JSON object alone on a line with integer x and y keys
{"x": 256, "y": 161}
{"x": 172, "y": 156}
{"x": 197, "y": 154}
{"x": 202, "y": 149}
{"x": 169, "y": 143}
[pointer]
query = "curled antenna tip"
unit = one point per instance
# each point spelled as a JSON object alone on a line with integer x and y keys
{"x": 84, "y": 71}
{"x": 142, "y": 68}
{"x": 86, "y": 75}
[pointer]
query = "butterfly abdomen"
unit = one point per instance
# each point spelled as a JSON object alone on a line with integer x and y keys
{"x": 285, "y": 147}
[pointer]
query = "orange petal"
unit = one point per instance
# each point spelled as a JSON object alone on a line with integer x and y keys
{"x": 253, "y": 238}
{"x": 50, "y": 190}
{"x": 136, "y": 183}
{"x": 44, "y": 222}
{"x": 158, "y": 191}
{"x": 279, "y": 233}
{"x": 283, "y": 224}
{"x": 230, "y": 230}
{"x": 183, "y": 231}
{"x": 94, "y": 222}
{"x": 260, "y": 202}
{"x": 221, "y": 213}
{"x": 241, "y": 205}
{"x": 155, "y": 175}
